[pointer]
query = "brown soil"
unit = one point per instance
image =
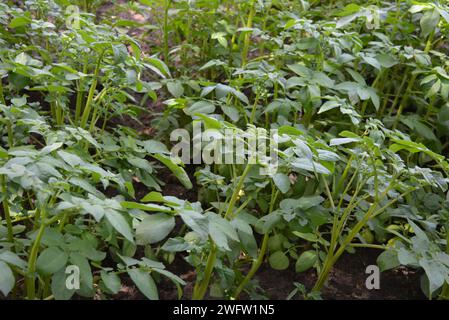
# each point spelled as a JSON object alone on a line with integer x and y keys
{"x": 347, "y": 280}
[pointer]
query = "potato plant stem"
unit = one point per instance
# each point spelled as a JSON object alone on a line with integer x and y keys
{"x": 166, "y": 9}
{"x": 445, "y": 290}
{"x": 332, "y": 257}
{"x": 80, "y": 92}
{"x": 201, "y": 289}
{"x": 410, "y": 84}
{"x": 255, "y": 266}
{"x": 246, "y": 41}
{"x": 6, "y": 210}
{"x": 263, "y": 249}
{"x": 236, "y": 192}
{"x": 398, "y": 94}
{"x": 30, "y": 279}
{"x": 8, "y": 123}
{"x": 2, "y": 95}
{"x": 93, "y": 87}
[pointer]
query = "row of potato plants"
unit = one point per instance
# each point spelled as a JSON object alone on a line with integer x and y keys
{"x": 357, "y": 91}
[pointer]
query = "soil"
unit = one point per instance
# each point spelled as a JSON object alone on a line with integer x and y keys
{"x": 347, "y": 280}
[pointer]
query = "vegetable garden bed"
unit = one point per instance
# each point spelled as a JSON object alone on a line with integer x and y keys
{"x": 225, "y": 149}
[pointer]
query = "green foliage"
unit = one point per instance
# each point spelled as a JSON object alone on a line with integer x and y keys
{"x": 357, "y": 91}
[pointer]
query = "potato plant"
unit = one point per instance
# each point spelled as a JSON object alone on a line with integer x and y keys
{"x": 93, "y": 97}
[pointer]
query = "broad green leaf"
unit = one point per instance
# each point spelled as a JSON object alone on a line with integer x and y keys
{"x": 282, "y": 181}
{"x": 145, "y": 283}
{"x": 386, "y": 60}
{"x": 154, "y": 228}
{"x": 177, "y": 170}
{"x": 429, "y": 21}
{"x": 306, "y": 260}
{"x": 175, "y": 88}
{"x": 118, "y": 221}
{"x": 196, "y": 221}
{"x": 310, "y": 237}
{"x": 388, "y": 260}
{"x": 12, "y": 259}
{"x": 51, "y": 260}
{"x": 19, "y": 22}
{"x": 204, "y": 107}
{"x": 340, "y": 141}
{"x": 221, "y": 230}
{"x": 278, "y": 261}
{"x": 170, "y": 275}
{"x": 153, "y": 196}
{"x": 145, "y": 207}
{"x": 436, "y": 273}
{"x": 7, "y": 280}
{"x": 111, "y": 280}
{"x": 329, "y": 105}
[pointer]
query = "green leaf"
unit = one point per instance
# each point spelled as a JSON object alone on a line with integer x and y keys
{"x": 170, "y": 275}
{"x": 178, "y": 171}
{"x": 145, "y": 283}
{"x": 19, "y": 22}
{"x": 323, "y": 80}
{"x": 306, "y": 260}
{"x": 231, "y": 112}
{"x": 388, "y": 260}
{"x": 154, "y": 228}
{"x": 310, "y": 237}
{"x": 3, "y": 153}
{"x": 111, "y": 281}
{"x": 221, "y": 230}
{"x": 196, "y": 221}
{"x": 278, "y": 261}
{"x": 340, "y": 141}
{"x": 7, "y": 280}
{"x": 51, "y": 260}
{"x": 145, "y": 207}
{"x": 386, "y": 60}
{"x": 309, "y": 165}
{"x": 282, "y": 181}
{"x": 13, "y": 259}
{"x": 118, "y": 221}
{"x": 308, "y": 202}
{"x": 204, "y": 107}
{"x": 140, "y": 163}
{"x": 435, "y": 272}
{"x": 429, "y": 21}
{"x": 329, "y": 105}
{"x": 153, "y": 196}
{"x": 346, "y": 20}
{"x": 209, "y": 122}
{"x": 175, "y": 88}
{"x": 154, "y": 146}
{"x": 19, "y": 102}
